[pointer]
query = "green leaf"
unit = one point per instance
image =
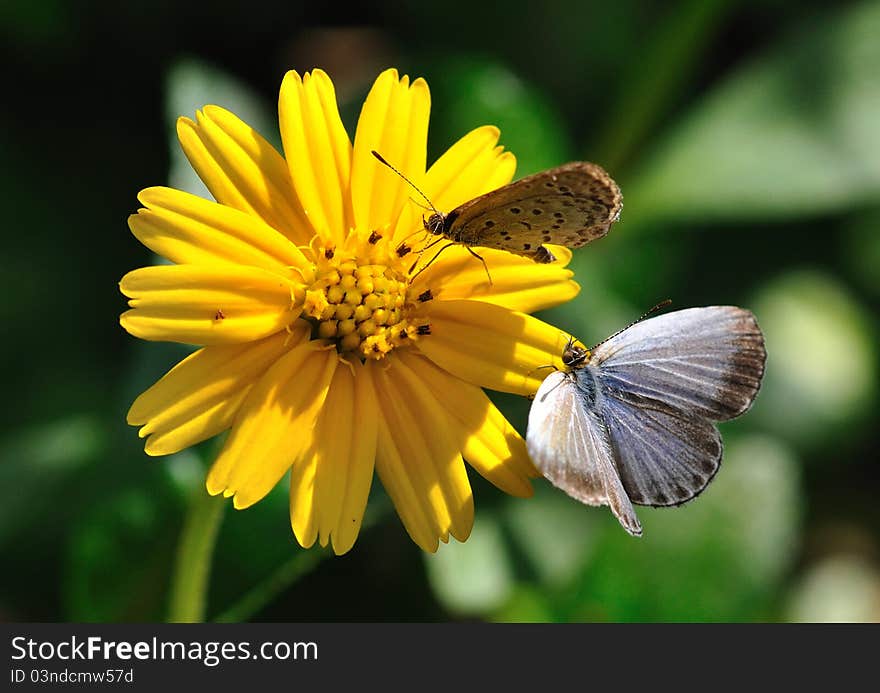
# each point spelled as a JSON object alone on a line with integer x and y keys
{"x": 36, "y": 463}
{"x": 554, "y": 533}
{"x": 472, "y": 92}
{"x": 840, "y": 589}
{"x": 119, "y": 557}
{"x": 793, "y": 134}
{"x": 720, "y": 556}
{"x": 821, "y": 376}
{"x": 474, "y": 577}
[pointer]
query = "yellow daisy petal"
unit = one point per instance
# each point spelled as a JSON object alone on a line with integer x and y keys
{"x": 187, "y": 229}
{"x": 471, "y": 167}
{"x": 329, "y": 486}
{"x": 422, "y": 470}
{"x": 489, "y": 443}
{"x": 274, "y": 424}
{"x": 492, "y": 346}
{"x": 242, "y": 170}
{"x": 318, "y": 151}
{"x": 207, "y": 304}
{"x": 198, "y": 398}
{"x": 518, "y": 283}
{"x": 394, "y": 122}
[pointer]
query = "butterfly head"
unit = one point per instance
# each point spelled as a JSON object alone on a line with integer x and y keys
{"x": 574, "y": 355}
{"x": 435, "y": 224}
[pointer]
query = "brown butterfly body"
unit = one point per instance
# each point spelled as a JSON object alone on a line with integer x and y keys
{"x": 569, "y": 205}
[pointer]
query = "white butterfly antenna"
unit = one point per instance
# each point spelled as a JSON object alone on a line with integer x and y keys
{"x": 653, "y": 310}
{"x": 414, "y": 186}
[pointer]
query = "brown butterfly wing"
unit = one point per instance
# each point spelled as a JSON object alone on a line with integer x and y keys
{"x": 570, "y": 205}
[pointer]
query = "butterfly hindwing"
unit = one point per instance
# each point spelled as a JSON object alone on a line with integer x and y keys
{"x": 665, "y": 456}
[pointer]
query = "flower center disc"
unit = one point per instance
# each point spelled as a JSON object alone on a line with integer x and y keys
{"x": 363, "y": 307}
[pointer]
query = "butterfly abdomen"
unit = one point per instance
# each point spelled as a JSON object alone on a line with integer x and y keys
{"x": 587, "y": 386}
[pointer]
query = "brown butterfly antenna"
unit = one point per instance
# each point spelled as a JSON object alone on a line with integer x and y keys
{"x": 414, "y": 186}
{"x": 653, "y": 310}
{"x": 436, "y": 211}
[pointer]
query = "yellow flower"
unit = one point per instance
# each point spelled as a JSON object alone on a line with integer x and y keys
{"x": 318, "y": 351}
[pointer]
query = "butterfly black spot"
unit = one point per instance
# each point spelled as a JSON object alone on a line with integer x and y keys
{"x": 527, "y": 246}
{"x": 507, "y": 237}
{"x": 515, "y": 210}
{"x": 537, "y": 212}
{"x": 556, "y": 226}
{"x": 563, "y": 188}
{"x": 558, "y": 215}
{"x": 547, "y": 237}
{"x": 549, "y": 184}
{"x": 568, "y": 194}
{"x": 489, "y": 224}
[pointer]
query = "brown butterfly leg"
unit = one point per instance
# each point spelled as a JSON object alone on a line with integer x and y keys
{"x": 429, "y": 262}
{"x": 485, "y": 266}
{"x": 430, "y": 245}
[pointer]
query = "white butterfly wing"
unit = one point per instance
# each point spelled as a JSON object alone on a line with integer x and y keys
{"x": 569, "y": 445}
{"x": 705, "y": 361}
{"x": 665, "y": 456}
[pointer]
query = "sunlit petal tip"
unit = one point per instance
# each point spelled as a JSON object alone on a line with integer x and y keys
{"x": 291, "y": 77}
{"x": 389, "y": 73}
{"x": 562, "y": 254}
{"x": 184, "y": 123}
{"x": 156, "y": 450}
{"x": 240, "y": 501}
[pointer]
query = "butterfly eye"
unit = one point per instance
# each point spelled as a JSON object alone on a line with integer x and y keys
{"x": 435, "y": 224}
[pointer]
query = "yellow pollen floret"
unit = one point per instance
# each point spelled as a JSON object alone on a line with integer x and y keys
{"x": 362, "y": 307}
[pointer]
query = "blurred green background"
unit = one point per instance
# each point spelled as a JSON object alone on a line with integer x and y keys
{"x": 746, "y": 139}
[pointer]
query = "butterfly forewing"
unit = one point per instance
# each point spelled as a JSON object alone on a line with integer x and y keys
{"x": 569, "y": 445}
{"x": 570, "y": 205}
{"x": 706, "y": 361}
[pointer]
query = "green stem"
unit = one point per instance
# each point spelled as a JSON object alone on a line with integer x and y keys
{"x": 261, "y": 594}
{"x": 266, "y": 590}
{"x": 192, "y": 570}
